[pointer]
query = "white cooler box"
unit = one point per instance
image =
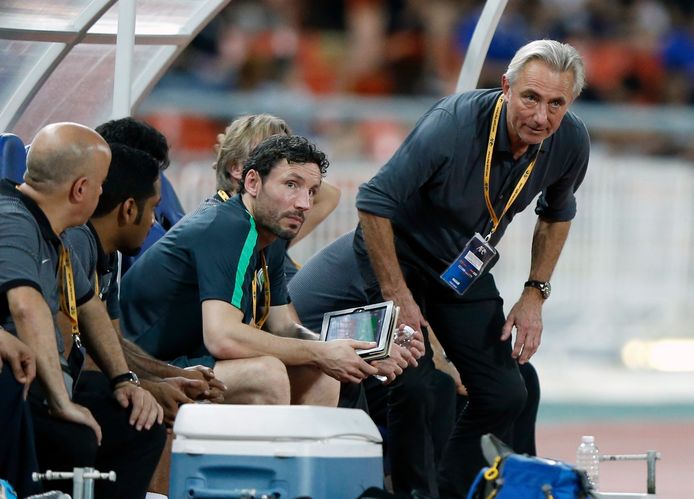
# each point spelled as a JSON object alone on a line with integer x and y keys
{"x": 274, "y": 452}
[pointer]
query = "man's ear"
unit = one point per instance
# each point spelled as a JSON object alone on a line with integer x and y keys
{"x": 505, "y": 87}
{"x": 252, "y": 182}
{"x": 127, "y": 212}
{"x": 78, "y": 190}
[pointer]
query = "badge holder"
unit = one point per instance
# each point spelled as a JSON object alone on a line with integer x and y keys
{"x": 75, "y": 359}
{"x": 470, "y": 264}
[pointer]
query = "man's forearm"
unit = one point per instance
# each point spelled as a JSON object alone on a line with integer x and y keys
{"x": 245, "y": 342}
{"x": 144, "y": 365}
{"x": 100, "y": 338}
{"x": 35, "y": 327}
{"x": 227, "y": 337}
{"x": 380, "y": 244}
{"x": 548, "y": 241}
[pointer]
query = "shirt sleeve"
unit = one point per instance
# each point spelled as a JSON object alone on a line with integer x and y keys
{"x": 225, "y": 263}
{"x": 82, "y": 250}
{"x": 428, "y": 147}
{"x": 84, "y": 290}
{"x": 558, "y": 201}
{"x": 19, "y": 253}
{"x": 275, "y": 255}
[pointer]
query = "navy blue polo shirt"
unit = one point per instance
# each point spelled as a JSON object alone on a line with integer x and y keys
{"x": 432, "y": 187}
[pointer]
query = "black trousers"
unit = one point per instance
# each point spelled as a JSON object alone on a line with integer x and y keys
{"x": 17, "y": 454}
{"x": 132, "y": 454}
{"x": 469, "y": 331}
{"x": 469, "y": 328}
{"x": 420, "y": 413}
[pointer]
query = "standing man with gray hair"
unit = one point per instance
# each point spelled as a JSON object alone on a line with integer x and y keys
{"x": 431, "y": 217}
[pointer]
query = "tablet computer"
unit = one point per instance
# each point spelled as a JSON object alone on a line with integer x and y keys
{"x": 375, "y": 323}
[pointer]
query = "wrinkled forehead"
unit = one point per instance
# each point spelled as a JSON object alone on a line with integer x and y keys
{"x": 538, "y": 76}
{"x": 308, "y": 172}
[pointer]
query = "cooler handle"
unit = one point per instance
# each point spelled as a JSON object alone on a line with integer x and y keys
{"x": 205, "y": 493}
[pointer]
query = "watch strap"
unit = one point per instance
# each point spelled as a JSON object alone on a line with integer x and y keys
{"x": 542, "y": 286}
{"x": 130, "y": 377}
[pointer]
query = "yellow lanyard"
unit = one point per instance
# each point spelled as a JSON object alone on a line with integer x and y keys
{"x": 254, "y": 285}
{"x": 222, "y": 194}
{"x": 266, "y": 288}
{"x": 488, "y": 166}
{"x": 68, "y": 302}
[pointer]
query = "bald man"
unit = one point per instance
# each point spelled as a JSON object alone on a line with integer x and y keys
{"x": 118, "y": 428}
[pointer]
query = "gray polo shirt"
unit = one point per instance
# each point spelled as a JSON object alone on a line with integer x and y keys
{"x": 85, "y": 248}
{"x": 432, "y": 187}
{"x": 328, "y": 281}
{"x": 29, "y": 253}
{"x": 212, "y": 254}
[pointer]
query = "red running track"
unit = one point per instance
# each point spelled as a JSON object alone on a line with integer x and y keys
{"x": 674, "y": 440}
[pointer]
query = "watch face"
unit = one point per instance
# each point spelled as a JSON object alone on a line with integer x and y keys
{"x": 543, "y": 287}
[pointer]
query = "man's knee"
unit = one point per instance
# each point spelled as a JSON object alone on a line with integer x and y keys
{"x": 413, "y": 388}
{"x": 508, "y": 399}
{"x": 273, "y": 379}
{"x": 260, "y": 380}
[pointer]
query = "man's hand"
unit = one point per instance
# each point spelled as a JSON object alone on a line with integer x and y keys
{"x": 393, "y": 366}
{"x": 526, "y": 316}
{"x": 387, "y": 368}
{"x": 21, "y": 358}
{"x": 414, "y": 343}
{"x": 144, "y": 408}
{"x": 446, "y": 366}
{"x": 339, "y": 360}
{"x": 75, "y": 413}
{"x": 410, "y": 313}
{"x": 168, "y": 395}
{"x": 215, "y": 389}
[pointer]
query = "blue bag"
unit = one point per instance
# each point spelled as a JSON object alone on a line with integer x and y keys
{"x": 513, "y": 476}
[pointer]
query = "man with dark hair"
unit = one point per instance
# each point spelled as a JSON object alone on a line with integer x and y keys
{"x": 137, "y": 134}
{"x": 120, "y": 222}
{"x": 66, "y": 166}
{"x": 210, "y": 270}
{"x": 143, "y": 136}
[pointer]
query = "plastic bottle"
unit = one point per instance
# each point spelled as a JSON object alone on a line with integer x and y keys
{"x": 588, "y": 459}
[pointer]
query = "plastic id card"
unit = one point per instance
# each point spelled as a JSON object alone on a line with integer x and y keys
{"x": 471, "y": 262}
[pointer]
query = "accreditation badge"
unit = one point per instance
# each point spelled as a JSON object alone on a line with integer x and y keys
{"x": 469, "y": 265}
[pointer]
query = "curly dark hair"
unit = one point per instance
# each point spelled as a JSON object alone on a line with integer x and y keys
{"x": 137, "y": 134}
{"x": 293, "y": 148}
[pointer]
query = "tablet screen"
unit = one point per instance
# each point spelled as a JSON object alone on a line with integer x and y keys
{"x": 362, "y": 325}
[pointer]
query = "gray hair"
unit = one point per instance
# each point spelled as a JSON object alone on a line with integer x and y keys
{"x": 560, "y": 57}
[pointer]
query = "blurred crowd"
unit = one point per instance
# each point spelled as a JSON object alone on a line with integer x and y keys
{"x": 636, "y": 51}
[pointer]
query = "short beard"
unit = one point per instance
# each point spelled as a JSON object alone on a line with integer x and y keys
{"x": 282, "y": 233}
